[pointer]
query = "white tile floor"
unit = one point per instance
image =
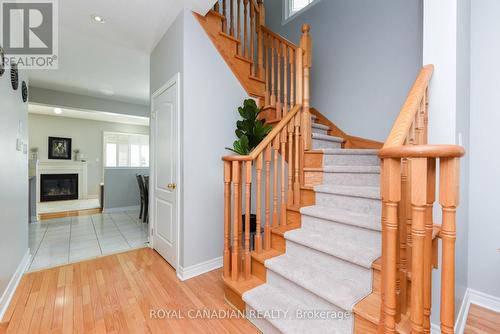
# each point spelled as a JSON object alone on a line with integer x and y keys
{"x": 65, "y": 240}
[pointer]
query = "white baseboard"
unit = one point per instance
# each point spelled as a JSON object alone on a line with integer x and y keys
{"x": 124, "y": 208}
{"x": 13, "y": 283}
{"x": 471, "y": 297}
{"x": 198, "y": 269}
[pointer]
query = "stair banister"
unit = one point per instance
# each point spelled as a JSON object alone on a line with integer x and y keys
{"x": 408, "y": 194}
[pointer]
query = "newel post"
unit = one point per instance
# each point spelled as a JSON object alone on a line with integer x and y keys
{"x": 227, "y": 219}
{"x": 448, "y": 198}
{"x": 306, "y": 45}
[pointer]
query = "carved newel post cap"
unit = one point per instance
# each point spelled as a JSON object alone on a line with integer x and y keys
{"x": 306, "y": 28}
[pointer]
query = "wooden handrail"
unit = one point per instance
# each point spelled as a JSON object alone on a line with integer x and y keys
{"x": 278, "y": 37}
{"x": 422, "y": 151}
{"x": 407, "y": 114}
{"x": 408, "y": 189}
{"x": 268, "y": 140}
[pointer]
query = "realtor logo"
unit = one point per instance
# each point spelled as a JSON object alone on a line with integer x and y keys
{"x": 29, "y": 33}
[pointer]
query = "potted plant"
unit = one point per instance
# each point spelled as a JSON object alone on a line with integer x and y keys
{"x": 250, "y": 131}
{"x": 77, "y": 154}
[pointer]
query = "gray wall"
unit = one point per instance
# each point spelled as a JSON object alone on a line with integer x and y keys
{"x": 86, "y": 135}
{"x": 121, "y": 188}
{"x": 13, "y": 180}
{"x": 366, "y": 57}
{"x": 484, "y": 233}
{"x": 69, "y": 100}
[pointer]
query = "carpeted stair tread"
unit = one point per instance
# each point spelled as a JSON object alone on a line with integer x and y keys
{"x": 320, "y": 126}
{"x": 352, "y": 169}
{"x": 358, "y": 249}
{"x": 347, "y": 217}
{"x": 270, "y": 298}
{"x": 353, "y": 151}
{"x": 320, "y": 136}
{"x": 339, "y": 284}
{"x": 352, "y": 191}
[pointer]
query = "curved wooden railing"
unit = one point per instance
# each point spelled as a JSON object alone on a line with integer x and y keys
{"x": 409, "y": 236}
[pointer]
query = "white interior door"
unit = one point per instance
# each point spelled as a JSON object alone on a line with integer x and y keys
{"x": 165, "y": 149}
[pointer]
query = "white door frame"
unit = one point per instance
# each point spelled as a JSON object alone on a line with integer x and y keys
{"x": 176, "y": 79}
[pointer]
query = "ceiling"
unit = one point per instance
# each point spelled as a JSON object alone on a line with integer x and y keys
{"x": 111, "y": 59}
{"x": 89, "y": 115}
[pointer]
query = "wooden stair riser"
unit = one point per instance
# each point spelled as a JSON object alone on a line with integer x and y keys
{"x": 312, "y": 177}
{"x": 259, "y": 269}
{"x": 363, "y": 326}
{"x": 307, "y": 197}
{"x": 278, "y": 242}
{"x": 313, "y": 159}
{"x": 234, "y": 299}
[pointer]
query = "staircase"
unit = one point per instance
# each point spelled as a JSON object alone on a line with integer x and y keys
{"x": 345, "y": 224}
{"x": 327, "y": 265}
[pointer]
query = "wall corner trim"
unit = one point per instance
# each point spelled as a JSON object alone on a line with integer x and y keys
{"x": 13, "y": 283}
{"x": 201, "y": 268}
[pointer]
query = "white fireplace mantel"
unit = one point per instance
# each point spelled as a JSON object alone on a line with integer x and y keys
{"x": 64, "y": 167}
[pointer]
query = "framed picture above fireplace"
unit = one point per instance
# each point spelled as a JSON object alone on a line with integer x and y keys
{"x": 59, "y": 148}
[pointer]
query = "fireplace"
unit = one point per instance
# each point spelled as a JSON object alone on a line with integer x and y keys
{"x": 58, "y": 187}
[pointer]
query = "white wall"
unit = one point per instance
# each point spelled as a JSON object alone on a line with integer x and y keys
{"x": 86, "y": 135}
{"x": 484, "y": 238}
{"x": 210, "y": 97}
{"x": 13, "y": 181}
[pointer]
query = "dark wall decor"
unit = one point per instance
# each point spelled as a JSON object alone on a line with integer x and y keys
{"x": 59, "y": 148}
{"x": 14, "y": 76}
{"x": 2, "y": 61}
{"x": 24, "y": 90}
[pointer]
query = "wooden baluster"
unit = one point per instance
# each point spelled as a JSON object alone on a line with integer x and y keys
{"x": 299, "y": 75}
{"x": 448, "y": 198}
{"x": 285, "y": 79}
{"x": 403, "y": 237}
{"x": 290, "y": 129}
{"x": 216, "y": 7}
{"x": 426, "y": 115}
{"x": 224, "y": 22}
{"x": 252, "y": 39}
{"x": 283, "y": 216}
{"x": 258, "y": 206}
{"x": 267, "y": 69}
{"x": 306, "y": 44}
{"x": 245, "y": 29}
{"x": 260, "y": 23}
{"x": 236, "y": 222}
{"x": 238, "y": 27}
{"x": 248, "y": 179}
{"x": 227, "y": 219}
{"x": 292, "y": 78}
{"x": 231, "y": 16}
{"x": 419, "y": 203}
{"x": 267, "y": 226}
{"x": 391, "y": 195}
{"x": 273, "y": 84}
{"x": 276, "y": 147}
{"x": 296, "y": 184}
{"x": 279, "y": 104}
{"x": 431, "y": 194}
{"x": 409, "y": 213}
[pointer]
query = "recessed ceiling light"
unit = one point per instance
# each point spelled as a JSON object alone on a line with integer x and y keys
{"x": 98, "y": 19}
{"x": 58, "y": 111}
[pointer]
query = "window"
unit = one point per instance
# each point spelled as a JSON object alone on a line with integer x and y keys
{"x": 126, "y": 150}
{"x": 293, "y": 7}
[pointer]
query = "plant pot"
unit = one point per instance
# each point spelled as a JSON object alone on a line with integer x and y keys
{"x": 253, "y": 223}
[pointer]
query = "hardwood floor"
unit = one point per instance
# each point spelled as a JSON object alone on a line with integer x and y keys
{"x": 75, "y": 213}
{"x": 482, "y": 321}
{"x": 117, "y": 294}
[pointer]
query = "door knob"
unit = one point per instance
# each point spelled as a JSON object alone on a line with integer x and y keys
{"x": 171, "y": 186}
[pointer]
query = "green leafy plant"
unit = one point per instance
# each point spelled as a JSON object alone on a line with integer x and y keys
{"x": 249, "y": 130}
